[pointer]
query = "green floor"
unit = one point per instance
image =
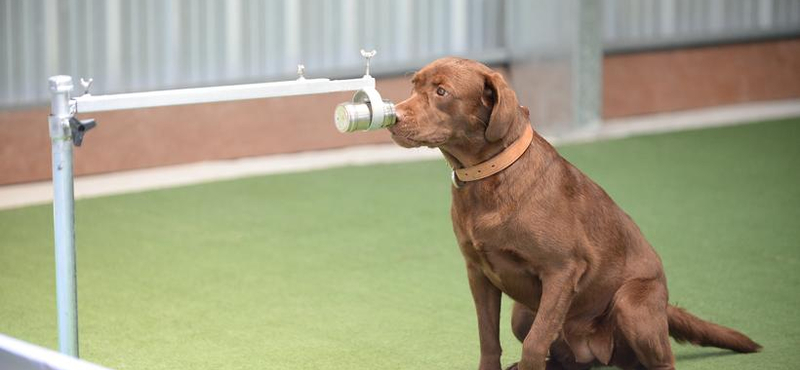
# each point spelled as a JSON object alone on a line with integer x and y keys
{"x": 357, "y": 268}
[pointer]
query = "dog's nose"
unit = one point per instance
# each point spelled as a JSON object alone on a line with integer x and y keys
{"x": 401, "y": 111}
{"x": 399, "y": 116}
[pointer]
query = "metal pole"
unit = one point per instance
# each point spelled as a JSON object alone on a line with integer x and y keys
{"x": 64, "y": 214}
{"x": 587, "y": 65}
{"x": 563, "y": 54}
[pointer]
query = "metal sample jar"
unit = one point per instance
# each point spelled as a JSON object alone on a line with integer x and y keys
{"x": 366, "y": 112}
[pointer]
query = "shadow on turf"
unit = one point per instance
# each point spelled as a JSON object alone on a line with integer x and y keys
{"x": 703, "y": 355}
{"x": 686, "y": 357}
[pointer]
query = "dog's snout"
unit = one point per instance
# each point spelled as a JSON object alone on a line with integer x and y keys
{"x": 401, "y": 115}
{"x": 400, "y": 112}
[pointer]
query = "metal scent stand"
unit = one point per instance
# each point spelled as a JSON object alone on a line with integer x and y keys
{"x": 66, "y": 131}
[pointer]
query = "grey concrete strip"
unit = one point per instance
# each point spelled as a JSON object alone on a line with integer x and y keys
{"x": 686, "y": 120}
{"x": 19, "y": 195}
{"x": 13, "y": 196}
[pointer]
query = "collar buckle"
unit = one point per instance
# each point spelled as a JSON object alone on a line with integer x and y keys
{"x": 454, "y": 179}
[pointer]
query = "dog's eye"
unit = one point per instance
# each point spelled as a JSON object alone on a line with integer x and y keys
{"x": 441, "y": 92}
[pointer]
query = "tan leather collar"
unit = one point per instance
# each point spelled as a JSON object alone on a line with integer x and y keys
{"x": 497, "y": 163}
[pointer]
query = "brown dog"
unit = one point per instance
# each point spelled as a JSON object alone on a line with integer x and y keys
{"x": 588, "y": 287}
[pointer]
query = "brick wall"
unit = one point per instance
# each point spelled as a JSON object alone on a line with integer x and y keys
{"x": 633, "y": 84}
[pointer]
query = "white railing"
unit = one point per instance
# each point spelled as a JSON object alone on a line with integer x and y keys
{"x": 18, "y": 355}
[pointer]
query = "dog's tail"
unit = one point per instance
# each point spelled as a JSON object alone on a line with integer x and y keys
{"x": 685, "y": 327}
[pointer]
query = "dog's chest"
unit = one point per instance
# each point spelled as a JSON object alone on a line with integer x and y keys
{"x": 491, "y": 241}
{"x": 507, "y": 271}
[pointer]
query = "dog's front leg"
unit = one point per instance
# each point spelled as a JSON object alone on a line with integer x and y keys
{"x": 487, "y": 304}
{"x": 558, "y": 290}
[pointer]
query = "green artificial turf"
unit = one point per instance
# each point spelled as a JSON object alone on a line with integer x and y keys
{"x": 357, "y": 268}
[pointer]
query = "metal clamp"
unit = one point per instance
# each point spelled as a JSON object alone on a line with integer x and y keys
{"x": 373, "y": 98}
{"x": 79, "y": 128}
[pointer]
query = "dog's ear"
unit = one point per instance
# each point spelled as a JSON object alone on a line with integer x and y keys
{"x": 504, "y": 106}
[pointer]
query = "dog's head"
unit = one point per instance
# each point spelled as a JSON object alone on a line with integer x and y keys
{"x": 458, "y": 103}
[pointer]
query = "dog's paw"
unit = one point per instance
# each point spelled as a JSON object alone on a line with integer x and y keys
{"x": 513, "y": 366}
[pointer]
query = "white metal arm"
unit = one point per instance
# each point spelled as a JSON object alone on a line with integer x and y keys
{"x": 89, "y": 103}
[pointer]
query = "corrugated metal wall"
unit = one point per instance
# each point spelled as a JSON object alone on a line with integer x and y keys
{"x": 129, "y": 45}
{"x": 136, "y": 45}
{"x": 644, "y": 24}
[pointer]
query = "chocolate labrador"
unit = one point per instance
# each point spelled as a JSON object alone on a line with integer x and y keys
{"x": 588, "y": 287}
